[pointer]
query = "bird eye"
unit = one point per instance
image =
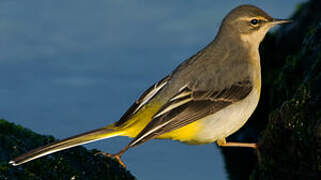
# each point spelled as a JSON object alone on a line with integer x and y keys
{"x": 254, "y": 21}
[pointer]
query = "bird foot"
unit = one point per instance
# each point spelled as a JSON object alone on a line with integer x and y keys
{"x": 113, "y": 156}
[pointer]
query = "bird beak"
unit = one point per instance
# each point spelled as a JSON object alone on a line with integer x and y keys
{"x": 281, "y": 21}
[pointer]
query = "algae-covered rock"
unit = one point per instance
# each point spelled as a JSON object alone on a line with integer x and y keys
{"x": 75, "y": 163}
{"x": 291, "y": 144}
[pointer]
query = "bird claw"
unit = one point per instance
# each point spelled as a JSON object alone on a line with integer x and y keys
{"x": 104, "y": 154}
{"x": 113, "y": 156}
{"x": 258, "y": 153}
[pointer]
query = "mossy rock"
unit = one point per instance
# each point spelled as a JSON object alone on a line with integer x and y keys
{"x": 291, "y": 144}
{"x": 75, "y": 163}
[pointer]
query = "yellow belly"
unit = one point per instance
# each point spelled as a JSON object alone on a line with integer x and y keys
{"x": 132, "y": 127}
{"x": 184, "y": 134}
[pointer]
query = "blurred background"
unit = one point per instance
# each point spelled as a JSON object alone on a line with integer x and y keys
{"x": 67, "y": 67}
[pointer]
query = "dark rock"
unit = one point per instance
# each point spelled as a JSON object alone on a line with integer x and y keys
{"x": 75, "y": 163}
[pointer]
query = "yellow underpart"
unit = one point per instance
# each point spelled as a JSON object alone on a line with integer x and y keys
{"x": 185, "y": 134}
{"x": 132, "y": 127}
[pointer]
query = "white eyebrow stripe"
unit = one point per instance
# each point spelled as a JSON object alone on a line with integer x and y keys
{"x": 250, "y": 18}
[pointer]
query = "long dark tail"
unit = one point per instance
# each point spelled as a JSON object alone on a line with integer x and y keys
{"x": 77, "y": 140}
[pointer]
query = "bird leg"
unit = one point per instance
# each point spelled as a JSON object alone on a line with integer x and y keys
{"x": 223, "y": 143}
{"x": 116, "y": 156}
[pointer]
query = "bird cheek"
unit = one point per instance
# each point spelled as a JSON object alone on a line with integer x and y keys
{"x": 241, "y": 27}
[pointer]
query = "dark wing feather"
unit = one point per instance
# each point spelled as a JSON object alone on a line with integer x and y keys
{"x": 151, "y": 92}
{"x": 202, "y": 104}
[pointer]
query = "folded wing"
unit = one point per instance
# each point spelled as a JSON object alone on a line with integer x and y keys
{"x": 190, "y": 105}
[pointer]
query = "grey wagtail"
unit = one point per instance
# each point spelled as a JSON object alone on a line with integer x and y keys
{"x": 205, "y": 99}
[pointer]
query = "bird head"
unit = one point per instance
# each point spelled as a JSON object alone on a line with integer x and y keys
{"x": 249, "y": 24}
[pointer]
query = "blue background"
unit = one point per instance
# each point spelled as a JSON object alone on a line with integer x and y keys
{"x": 67, "y": 67}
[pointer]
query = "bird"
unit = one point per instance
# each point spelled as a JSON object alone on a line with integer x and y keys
{"x": 205, "y": 99}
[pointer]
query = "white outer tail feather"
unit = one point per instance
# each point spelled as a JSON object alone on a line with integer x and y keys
{"x": 77, "y": 140}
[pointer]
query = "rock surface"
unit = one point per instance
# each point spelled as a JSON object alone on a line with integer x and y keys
{"x": 73, "y": 164}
